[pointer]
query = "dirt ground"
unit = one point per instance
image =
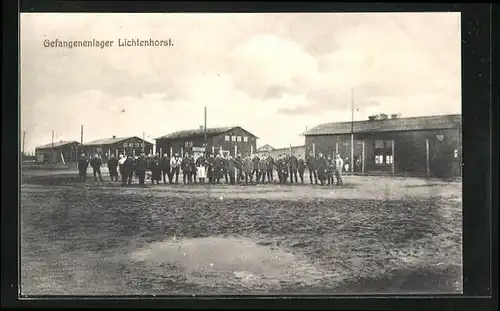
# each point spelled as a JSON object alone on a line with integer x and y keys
{"x": 373, "y": 235}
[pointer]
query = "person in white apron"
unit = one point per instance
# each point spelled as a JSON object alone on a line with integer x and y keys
{"x": 201, "y": 168}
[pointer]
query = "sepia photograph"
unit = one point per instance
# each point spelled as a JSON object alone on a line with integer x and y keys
{"x": 168, "y": 154}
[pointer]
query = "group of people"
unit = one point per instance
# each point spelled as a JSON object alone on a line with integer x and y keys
{"x": 217, "y": 168}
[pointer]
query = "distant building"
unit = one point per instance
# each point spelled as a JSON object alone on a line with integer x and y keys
{"x": 422, "y": 146}
{"x": 53, "y": 152}
{"x": 265, "y": 148}
{"x": 275, "y": 152}
{"x": 131, "y": 145}
{"x": 227, "y": 140}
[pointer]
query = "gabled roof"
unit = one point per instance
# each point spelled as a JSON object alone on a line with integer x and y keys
{"x": 109, "y": 141}
{"x": 265, "y": 147}
{"x": 200, "y": 132}
{"x": 58, "y": 144}
{"x": 389, "y": 125}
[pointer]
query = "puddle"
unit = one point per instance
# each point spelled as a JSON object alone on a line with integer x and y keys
{"x": 228, "y": 260}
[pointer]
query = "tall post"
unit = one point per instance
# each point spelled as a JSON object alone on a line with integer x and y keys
{"x": 133, "y": 152}
{"x": 205, "y": 126}
{"x": 235, "y": 171}
{"x": 24, "y": 139}
{"x": 363, "y": 158}
{"x": 352, "y": 130}
{"x": 251, "y": 150}
{"x": 235, "y": 150}
{"x": 427, "y": 158}
{"x": 213, "y": 150}
{"x": 116, "y": 153}
{"x": 53, "y": 154}
{"x": 161, "y": 152}
{"x": 81, "y": 139}
{"x": 314, "y": 149}
{"x": 290, "y": 149}
{"x": 393, "y": 158}
{"x": 336, "y": 147}
{"x": 182, "y": 151}
{"x": 171, "y": 152}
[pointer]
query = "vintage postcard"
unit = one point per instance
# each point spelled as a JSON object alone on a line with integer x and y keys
{"x": 240, "y": 154}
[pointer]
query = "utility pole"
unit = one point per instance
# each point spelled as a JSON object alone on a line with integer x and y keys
{"x": 352, "y": 130}
{"x": 143, "y": 141}
{"x": 205, "y": 128}
{"x": 53, "y": 154}
{"x": 81, "y": 140}
{"x": 24, "y": 139}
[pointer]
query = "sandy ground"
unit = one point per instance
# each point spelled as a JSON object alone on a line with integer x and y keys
{"x": 373, "y": 235}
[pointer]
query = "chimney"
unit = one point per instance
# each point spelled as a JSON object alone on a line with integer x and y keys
{"x": 114, "y": 136}
{"x": 383, "y": 116}
{"x": 395, "y": 116}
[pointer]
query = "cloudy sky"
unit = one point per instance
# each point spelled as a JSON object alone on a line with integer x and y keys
{"x": 273, "y": 74}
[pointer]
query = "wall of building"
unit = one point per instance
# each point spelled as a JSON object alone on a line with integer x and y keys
{"x": 410, "y": 151}
{"x": 69, "y": 152}
{"x": 296, "y": 150}
{"x": 130, "y": 146}
{"x": 245, "y": 148}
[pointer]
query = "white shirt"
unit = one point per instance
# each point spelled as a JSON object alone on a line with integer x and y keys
{"x": 175, "y": 162}
{"x": 339, "y": 163}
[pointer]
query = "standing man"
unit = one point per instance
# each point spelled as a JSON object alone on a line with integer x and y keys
{"x": 262, "y": 170}
{"x": 321, "y": 166}
{"x": 339, "y": 163}
{"x": 330, "y": 170}
{"x": 255, "y": 172}
{"x": 141, "y": 167}
{"x": 248, "y": 169}
{"x": 186, "y": 169}
{"x": 294, "y": 165}
{"x": 194, "y": 171}
{"x": 311, "y": 166}
{"x": 155, "y": 170}
{"x": 210, "y": 168}
{"x": 270, "y": 167}
{"x": 82, "y": 167}
{"x": 301, "y": 168}
{"x": 218, "y": 168}
{"x": 175, "y": 164}
{"x": 239, "y": 167}
{"x": 128, "y": 170}
{"x": 96, "y": 164}
{"x": 225, "y": 163}
{"x": 165, "y": 168}
{"x": 113, "y": 168}
{"x": 281, "y": 168}
{"x": 120, "y": 164}
{"x": 231, "y": 169}
{"x": 201, "y": 167}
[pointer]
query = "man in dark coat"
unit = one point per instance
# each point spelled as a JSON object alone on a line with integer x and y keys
{"x": 225, "y": 163}
{"x": 293, "y": 162}
{"x": 186, "y": 169}
{"x": 330, "y": 169}
{"x": 301, "y": 168}
{"x": 165, "y": 168}
{"x": 270, "y": 167}
{"x": 231, "y": 169}
{"x": 239, "y": 167}
{"x": 141, "y": 167}
{"x": 128, "y": 170}
{"x": 113, "y": 168}
{"x": 248, "y": 169}
{"x": 311, "y": 166}
{"x": 255, "y": 172}
{"x": 218, "y": 168}
{"x": 154, "y": 165}
{"x": 321, "y": 167}
{"x": 96, "y": 164}
{"x": 194, "y": 171}
{"x": 281, "y": 167}
{"x": 210, "y": 169}
{"x": 82, "y": 167}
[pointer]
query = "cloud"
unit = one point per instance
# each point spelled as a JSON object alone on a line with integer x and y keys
{"x": 273, "y": 74}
